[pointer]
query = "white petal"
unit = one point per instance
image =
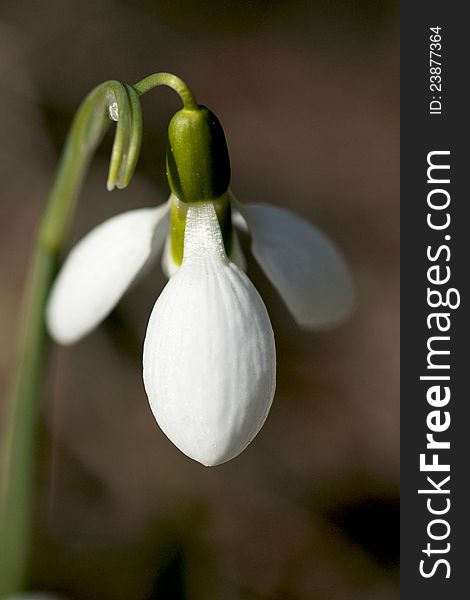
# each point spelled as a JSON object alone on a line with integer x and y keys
{"x": 209, "y": 354}
{"x": 99, "y": 270}
{"x": 302, "y": 263}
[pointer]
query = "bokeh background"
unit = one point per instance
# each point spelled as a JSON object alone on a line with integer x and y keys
{"x": 308, "y": 95}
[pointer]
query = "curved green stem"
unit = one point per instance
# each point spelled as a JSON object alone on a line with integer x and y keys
{"x": 172, "y": 81}
{"x": 22, "y": 407}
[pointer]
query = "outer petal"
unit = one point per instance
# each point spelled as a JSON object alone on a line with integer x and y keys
{"x": 209, "y": 353}
{"x": 302, "y": 263}
{"x": 99, "y": 270}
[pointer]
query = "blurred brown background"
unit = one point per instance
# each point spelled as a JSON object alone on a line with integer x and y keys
{"x": 308, "y": 96}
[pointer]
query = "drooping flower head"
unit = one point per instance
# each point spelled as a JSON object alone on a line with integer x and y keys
{"x": 209, "y": 353}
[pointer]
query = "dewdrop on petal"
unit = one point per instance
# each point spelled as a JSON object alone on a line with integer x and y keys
{"x": 209, "y": 353}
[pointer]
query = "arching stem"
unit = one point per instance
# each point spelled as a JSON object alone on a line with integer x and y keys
{"x": 169, "y": 80}
{"x": 22, "y": 407}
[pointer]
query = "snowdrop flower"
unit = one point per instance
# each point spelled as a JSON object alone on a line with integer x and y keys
{"x": 209, "y": 353}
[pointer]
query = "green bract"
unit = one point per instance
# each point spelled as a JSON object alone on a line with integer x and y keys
{"x": 197, "y": 160}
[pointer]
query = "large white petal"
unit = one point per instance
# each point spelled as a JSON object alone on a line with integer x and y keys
{"x": 209, "y": 354}
{"x": 302, "y": 263}
{"x": 100, "y": 268}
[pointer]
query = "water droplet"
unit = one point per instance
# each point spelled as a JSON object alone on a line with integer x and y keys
{"x": 113, "y": 111}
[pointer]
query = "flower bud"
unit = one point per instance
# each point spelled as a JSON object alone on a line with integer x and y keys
{"x": 197, "y": 160}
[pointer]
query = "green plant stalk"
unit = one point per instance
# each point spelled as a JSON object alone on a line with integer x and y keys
{"x": 171, "y": 81}
{"x": 20, "y": 431}
{"x": 17, "y": 476}
{"x": 22, "y": 406}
